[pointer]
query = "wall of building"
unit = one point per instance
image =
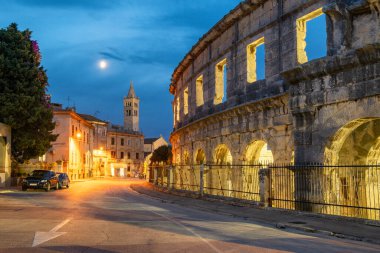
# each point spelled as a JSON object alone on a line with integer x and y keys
{"x": 133, "y": 145}
{"x": 5, "y": 155}
{"x": 294, "y": 109}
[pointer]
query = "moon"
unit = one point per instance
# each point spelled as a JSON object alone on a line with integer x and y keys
{"x": 103, "y": 64}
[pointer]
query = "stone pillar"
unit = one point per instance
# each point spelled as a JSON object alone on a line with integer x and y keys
{"x": 265, "y": 186}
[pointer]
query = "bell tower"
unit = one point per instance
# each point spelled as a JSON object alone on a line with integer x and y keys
{"x": 131, "y": 110}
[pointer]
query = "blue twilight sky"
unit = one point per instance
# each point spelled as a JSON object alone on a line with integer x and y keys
{"x": 142, "y": 41}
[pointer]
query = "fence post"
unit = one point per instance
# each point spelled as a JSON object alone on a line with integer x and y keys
{"x": 201, "y": 185}
{"x": 265, "y": 185}
{"x": 170, "y": 177}
{"x": 155, "y": 175}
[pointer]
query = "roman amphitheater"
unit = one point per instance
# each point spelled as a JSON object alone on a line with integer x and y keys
{"x": 233, "y": 107}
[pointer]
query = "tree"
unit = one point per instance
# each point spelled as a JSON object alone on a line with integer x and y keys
{"x": 162, "y": 154}
{"x": 24, "y": 104}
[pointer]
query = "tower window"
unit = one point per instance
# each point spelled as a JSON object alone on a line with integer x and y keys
{"x": 220, "y": 82}
{"x": 199, "y": 90}
{"x": 256, "y": 61}
{"x": 186, "y": 101}
{"x": 311, "y": 44}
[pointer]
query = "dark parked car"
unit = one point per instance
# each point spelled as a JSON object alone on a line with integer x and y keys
{"x": 63, "y": 180}
{"x": 41, "y": 179}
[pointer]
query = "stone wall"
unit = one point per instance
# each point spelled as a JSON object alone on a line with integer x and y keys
{"x": 297, "y": 107}
{"x": 5, "y": 155}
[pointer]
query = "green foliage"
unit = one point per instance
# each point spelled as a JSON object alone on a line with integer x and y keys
{"x": 162, "y": 154}
{"x": 24, "y": 104}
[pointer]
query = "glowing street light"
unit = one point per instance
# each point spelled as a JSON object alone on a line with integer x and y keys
{"x": 79, "y": 135}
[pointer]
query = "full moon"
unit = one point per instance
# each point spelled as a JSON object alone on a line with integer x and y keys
{"x": 103, "y": 64}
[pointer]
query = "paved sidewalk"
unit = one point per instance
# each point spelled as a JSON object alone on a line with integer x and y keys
{"x": 353, "y": 229}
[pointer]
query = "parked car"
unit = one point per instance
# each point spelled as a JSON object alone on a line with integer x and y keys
{"x": 41, "y": 179}
{"x": 63, "y": 180}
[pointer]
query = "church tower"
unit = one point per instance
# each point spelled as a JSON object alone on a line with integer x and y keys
{"x": 131, "y": 110}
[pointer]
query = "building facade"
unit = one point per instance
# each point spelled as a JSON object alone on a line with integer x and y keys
{"x": 150, "y": 145}
{"x": 125, "y": 149}
{"x": 305, "y": 108}
{"x": 72, "y": 152}
{"x": 5, "y": 155}
{"x": 302, "y": 109}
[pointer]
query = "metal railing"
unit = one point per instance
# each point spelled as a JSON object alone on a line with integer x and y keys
{"x": 345, "y": 190}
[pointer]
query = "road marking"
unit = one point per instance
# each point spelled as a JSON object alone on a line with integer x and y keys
{"x": 41, "y": 237}
{"x": 181, "y": 225}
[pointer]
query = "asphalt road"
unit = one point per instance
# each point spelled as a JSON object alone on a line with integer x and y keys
{"x": 107, "y": 216}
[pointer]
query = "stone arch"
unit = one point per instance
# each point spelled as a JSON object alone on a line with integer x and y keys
{"x": 258, "y": 152}
{"x": 222, "y": 155}
{"x": 357, "y": 142}
{"x": 200, "y": 157}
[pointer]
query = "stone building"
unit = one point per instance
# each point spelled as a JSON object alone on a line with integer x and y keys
{"x": 150, "y": 145}
{"x": 305, "y": 108}
{"x": 125, "y": 150}
{"x": 5, "y": 155}
{"x": 72, "y": 152}
{"x": 100, "y": 158}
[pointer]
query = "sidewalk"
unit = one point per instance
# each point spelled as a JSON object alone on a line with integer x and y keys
{"x": 341, "y": 227}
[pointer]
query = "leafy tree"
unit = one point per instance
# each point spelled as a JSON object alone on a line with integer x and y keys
{"x": 24, "y": 104}
{"x": 162, "y": 154}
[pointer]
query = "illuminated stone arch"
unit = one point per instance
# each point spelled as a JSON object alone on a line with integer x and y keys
{"x": 222, "y": 155}
{"x": 200, "y": 157}
{"x": 258, "y": 152}
{"x": 356, "y": 142}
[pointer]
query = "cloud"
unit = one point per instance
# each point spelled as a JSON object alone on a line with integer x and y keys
{"x": 112, "y": 53}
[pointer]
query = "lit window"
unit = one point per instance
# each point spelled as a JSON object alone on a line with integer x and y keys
{"x": 256, "y": 61}
{"x": 308, "y": 49}
{"x": 220, "y": 82}
{"x": 177, "y": 110}
{"x": 186, "y": 101}
{"x": 199, "y": 90}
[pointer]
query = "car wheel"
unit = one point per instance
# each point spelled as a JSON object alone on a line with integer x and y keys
{"x": 24, "y": 188}
{"x": 67, "y": 186}
{"x": 48, "y": 187}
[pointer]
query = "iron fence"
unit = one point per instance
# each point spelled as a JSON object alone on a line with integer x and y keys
{"x": 346, "y": 190}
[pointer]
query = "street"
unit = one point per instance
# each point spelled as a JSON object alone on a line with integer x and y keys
{"x": 108, "y": 216}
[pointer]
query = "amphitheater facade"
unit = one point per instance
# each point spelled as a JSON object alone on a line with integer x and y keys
{"x": 301, "y": 110}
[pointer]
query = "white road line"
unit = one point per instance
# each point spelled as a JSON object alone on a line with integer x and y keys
{"x": 60, "y": 225}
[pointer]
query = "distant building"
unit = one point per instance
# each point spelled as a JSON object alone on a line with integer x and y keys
{"x": 125, "y": 151}
{"x": 5, "y": 155}
{"x": 100, "y": 157}
{"x": 150, "y": 145}
{"x": 131, "y": 110}
{"x": 72, "y": 152}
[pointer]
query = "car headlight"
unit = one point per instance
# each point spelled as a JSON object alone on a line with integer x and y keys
{"x": 43, "y": 181}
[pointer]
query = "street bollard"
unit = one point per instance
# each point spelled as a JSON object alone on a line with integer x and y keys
{"x": 201, "y": 172}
